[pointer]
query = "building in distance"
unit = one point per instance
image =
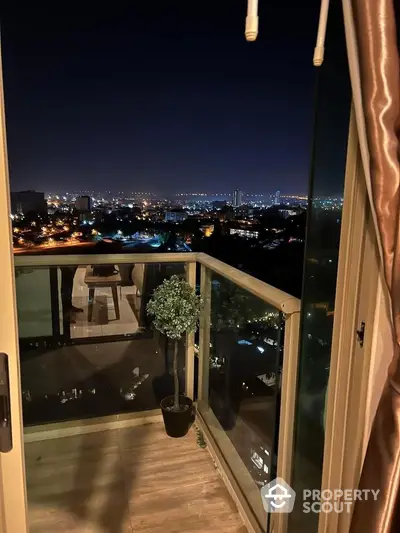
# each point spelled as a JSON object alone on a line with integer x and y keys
{"x": 24, "y": 202}
{"x": 83, "y": 204}
{"x": 207, "y": 229}
{"x": 175, "y": 215}
{"x": 286, "y": 213}
{"x": 237, "y": 198}
{"x": 246, "y": 233}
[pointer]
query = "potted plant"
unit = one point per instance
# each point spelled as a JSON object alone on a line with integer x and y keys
{"x": 175, "y": 309}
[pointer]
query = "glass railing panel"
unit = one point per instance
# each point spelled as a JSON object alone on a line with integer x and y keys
{"x": 87, "y": 346}
{"x": 35, "y": 310}
{"x": 241, "y": 406}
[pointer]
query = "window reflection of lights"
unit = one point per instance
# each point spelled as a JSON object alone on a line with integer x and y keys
{"x": 257, "y": 460}
{"x": 271, "y": 342}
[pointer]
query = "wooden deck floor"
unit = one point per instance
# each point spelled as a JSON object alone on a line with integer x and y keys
{"x": 127, "y": 480}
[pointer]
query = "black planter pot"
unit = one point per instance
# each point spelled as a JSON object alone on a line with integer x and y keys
{"x": 177, "y": 423}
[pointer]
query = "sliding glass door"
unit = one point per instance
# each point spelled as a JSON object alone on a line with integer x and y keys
{"x": 333, "y": 103}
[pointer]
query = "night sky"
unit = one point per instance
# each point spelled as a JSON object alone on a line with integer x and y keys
{"x": 167, "y": 97}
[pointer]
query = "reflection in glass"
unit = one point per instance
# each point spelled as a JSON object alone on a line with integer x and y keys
{"x": 89, "y": 349}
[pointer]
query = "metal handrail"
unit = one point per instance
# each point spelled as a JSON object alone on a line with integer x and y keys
{"x": 101, "y": 259}
{"x": 281, "y": 300}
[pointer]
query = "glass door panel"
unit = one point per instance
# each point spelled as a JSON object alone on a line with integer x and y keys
{"x": 320, "y": 266}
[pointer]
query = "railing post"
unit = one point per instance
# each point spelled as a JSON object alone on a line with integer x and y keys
{"x": 189, "y": 355}
{"x": 55, "y": 304}
{"x": 204, "y": 334}
{"x": 288, "y": 410}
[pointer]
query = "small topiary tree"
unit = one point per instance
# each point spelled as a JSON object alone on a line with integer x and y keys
{"x": 175, "y": 308}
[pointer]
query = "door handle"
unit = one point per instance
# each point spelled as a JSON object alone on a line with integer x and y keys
{"x": 5, "y": 409}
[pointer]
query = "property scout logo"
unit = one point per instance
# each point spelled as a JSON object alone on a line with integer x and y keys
{"x": 279, "y": 497}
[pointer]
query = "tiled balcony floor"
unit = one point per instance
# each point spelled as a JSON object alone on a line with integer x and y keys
{"x": 126, "y": 480}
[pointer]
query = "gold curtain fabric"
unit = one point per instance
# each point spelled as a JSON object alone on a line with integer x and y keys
{"x": 375, "y": 27}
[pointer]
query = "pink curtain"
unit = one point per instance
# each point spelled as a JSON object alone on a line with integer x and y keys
{"x": 376, "y": 37}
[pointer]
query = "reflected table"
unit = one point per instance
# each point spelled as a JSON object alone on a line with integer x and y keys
{"x": 95, "y": 282}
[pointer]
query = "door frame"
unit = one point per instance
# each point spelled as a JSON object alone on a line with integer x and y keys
{"x": 347, "y": 419}
{"x": 13, "y": 501}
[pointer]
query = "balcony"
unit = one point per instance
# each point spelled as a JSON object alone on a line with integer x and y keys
{"x": 93, "y": 374}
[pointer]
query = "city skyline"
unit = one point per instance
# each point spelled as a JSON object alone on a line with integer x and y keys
{"x": 177, "y": 193}
{"x": 168, "y": 100}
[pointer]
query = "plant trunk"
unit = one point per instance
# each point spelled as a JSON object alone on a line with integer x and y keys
{"x": 176, "y": 377}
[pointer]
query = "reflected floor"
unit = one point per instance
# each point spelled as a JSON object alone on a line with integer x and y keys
{"x": 104, "y": 321}
{"x": 97, "y": 379}
{"x": 126, "y": 480}
{"x": 253, "y": 437}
